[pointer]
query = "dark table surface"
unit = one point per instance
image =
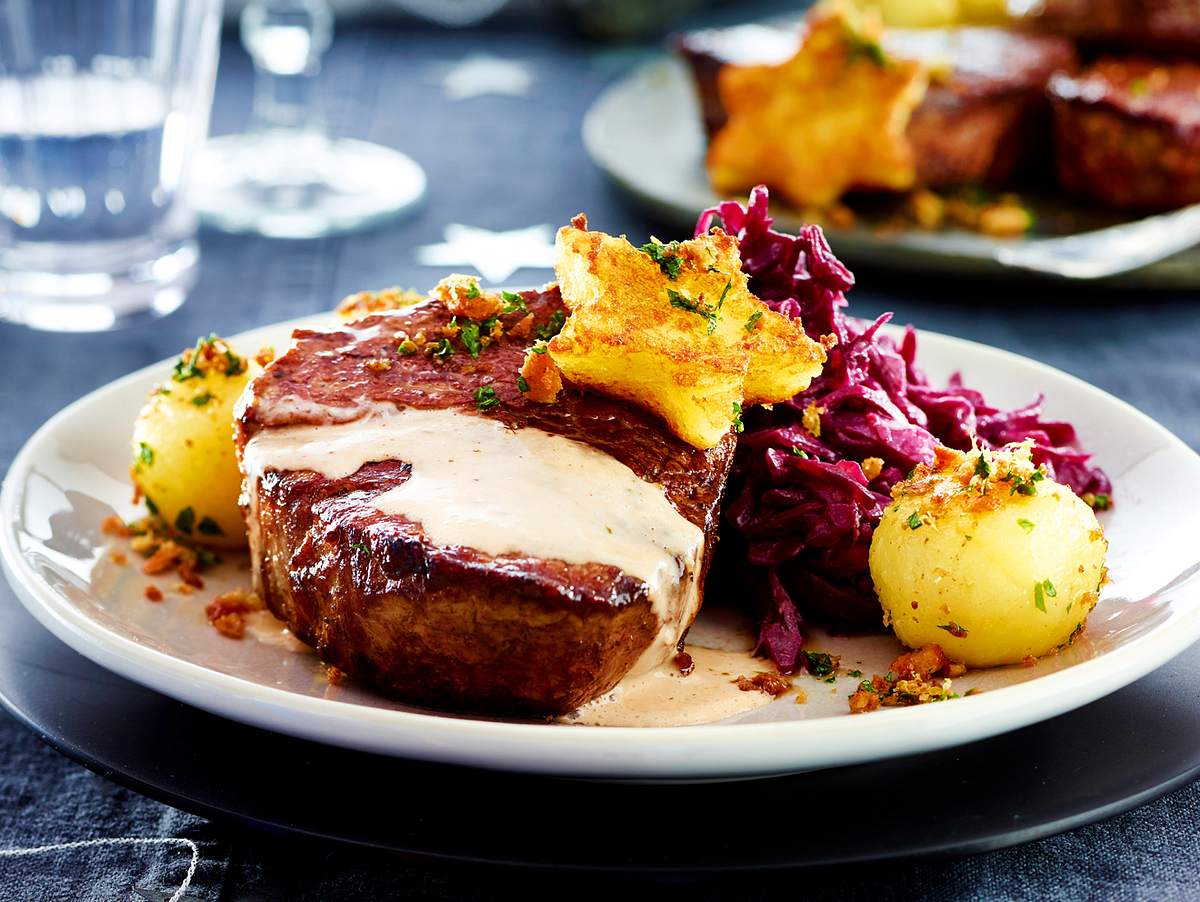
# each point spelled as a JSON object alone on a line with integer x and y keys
{"x": 502, "y": 163}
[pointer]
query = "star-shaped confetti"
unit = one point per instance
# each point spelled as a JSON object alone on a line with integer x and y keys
{"x": 482, "y": 73}
{"x": 496, "y": 255}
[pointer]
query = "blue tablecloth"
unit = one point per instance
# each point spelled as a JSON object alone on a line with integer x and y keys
{"x": 503, "y": 163}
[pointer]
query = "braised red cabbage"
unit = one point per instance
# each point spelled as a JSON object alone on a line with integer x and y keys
{"x": 800, "y": 505}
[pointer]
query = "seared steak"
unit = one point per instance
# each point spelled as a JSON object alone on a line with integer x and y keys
{"x": 429, "y": 620}
{"x": 1127, "y": 133}
{"x": 980, "y": 120}
{"x": 1166, "y": 26}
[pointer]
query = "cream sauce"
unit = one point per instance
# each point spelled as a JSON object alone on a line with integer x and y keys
{"x": 664, "y": 697}
{"x": 477, "y": 484}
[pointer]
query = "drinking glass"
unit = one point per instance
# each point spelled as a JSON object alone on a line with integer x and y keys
{"x": 286, "y": 176}
{"x": 103, "y": 104}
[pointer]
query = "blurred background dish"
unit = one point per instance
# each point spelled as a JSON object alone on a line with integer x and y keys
{"x": 968, "y": 144}
{"x": 286, "y": 177}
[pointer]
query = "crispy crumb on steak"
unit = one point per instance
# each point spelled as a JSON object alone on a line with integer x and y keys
{"x": 446, "y": 626}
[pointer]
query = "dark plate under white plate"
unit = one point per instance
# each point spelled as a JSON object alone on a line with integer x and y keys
{"x": 1089, "y": 764}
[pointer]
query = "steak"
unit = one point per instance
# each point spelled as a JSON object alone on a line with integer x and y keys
{"x": 435, "y": 622}
{"x": 1155, "y": 26}
{"x": 983, "y": 119}
{"x": 1127, "y": 133}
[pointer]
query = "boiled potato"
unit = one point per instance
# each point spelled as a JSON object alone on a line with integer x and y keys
{"x": 674, "y": 329}
{"x": 183, "y": 455}
{"x": 984, "y": 556}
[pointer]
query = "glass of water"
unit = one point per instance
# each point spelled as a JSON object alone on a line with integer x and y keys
{"x": 103, "y": 105}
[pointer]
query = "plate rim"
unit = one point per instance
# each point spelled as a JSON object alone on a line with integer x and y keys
{"x": 574, "y": 750}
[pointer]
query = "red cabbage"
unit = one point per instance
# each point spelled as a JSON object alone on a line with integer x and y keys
{"x": 801, "y": 508}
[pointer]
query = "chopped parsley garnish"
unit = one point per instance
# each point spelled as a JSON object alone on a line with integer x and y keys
{"x": 522, "y": 384}
{"x": 209, "y": 527}
{"x": 185, "y": 520}
{"x": 145, "y": 455}
{"x": 539, "y": 347}
{"x": 1101, "y": 502}
{"x": 186, "y": 368}
{"x": 738, "y": 425}
{"x": 665, "y": 255}
{"x": 233, "y": 363}
{"x": 819, "y": 664}
{"x": 862, "y": 46}
{"x": 406, "y": 347}
{"x": 473, "y": 290}
{"x": 151, "y": 506}
{"x": 1040, "y": 591}
{"x": 552, "y": 327}
{"x": 513, "y": 302}
{"x": 753, "y": 320}
{"x": 469, "y": 336}
{"x": 982, "y": 468}
{"x": 485, "y": 398}
{"x": 206, "y": 557}
{"x": 854, "y": 673}
{"x": 953, "y": 629}
{"x": 1026, "y": 525}
{"x": 913, "y": 521}
{"x": 203, "y": 398}
{"x": 1023, "y": 486}
{"x": 799, "y": 452}
{"x": 362, "y": 546}
{"x": 709, "y": 311}
{"x": 443, "y": 348}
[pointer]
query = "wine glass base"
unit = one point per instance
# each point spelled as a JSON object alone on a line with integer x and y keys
{"x": 289, "y": 185}
{"x": 117, "y": 290}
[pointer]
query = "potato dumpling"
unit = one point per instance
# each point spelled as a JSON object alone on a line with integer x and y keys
{"x": 985, "y": 556}
{"x": 183, "y": 455}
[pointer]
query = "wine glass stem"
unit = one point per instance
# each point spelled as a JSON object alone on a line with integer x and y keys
{"x": 285, "y": 102}
{"x": 286, "y": 39}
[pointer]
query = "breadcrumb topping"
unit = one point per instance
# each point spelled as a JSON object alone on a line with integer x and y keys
{"x": 227, "y": 612}
{"x": 770, "y": 682}
{"x": 364, "y": 303}
{"x": 915, "y": 678}
{"x": 463, "y": 297}
{"x": 540, "y": 379}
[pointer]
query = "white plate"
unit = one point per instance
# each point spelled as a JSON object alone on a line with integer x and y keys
{"x": 645, "y": 133}
{"x": 73, "y": 473}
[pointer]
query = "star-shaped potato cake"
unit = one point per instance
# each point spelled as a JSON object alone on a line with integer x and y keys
{"x": 833, "y": 117}
{"x": 674, "y": 329}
